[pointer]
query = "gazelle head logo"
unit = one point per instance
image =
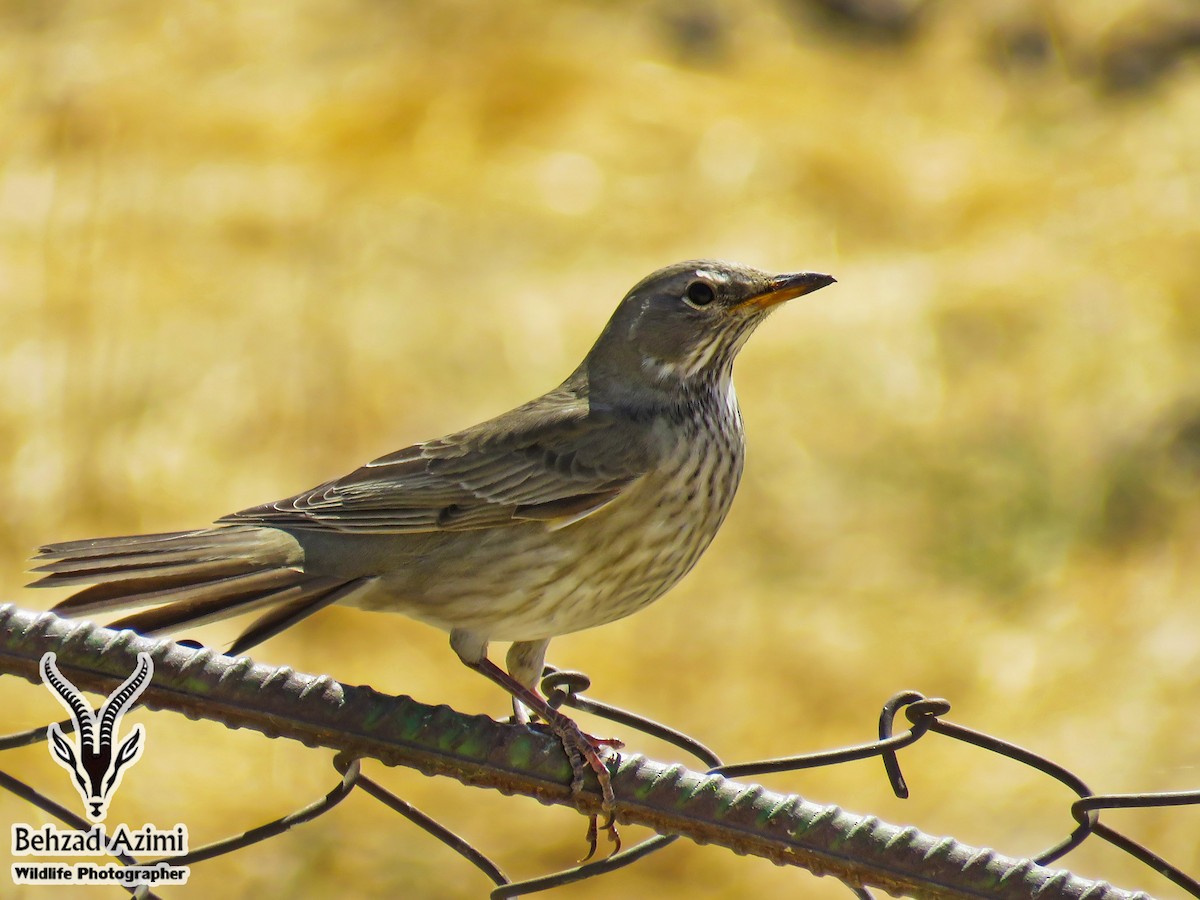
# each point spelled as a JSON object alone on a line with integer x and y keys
{"x": 95, "y": 766}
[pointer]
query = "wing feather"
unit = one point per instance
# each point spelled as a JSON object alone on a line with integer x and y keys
{"x": 554, "y": 460}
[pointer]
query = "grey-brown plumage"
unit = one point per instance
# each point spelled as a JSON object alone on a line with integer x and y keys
{"x": 576, "y": 509}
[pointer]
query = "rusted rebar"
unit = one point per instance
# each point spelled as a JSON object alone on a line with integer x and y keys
{"x": 515, "y": 759}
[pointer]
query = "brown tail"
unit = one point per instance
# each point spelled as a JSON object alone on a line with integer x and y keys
{"x": 190, "y": 578}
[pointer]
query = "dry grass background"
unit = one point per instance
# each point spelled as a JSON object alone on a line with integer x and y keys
{"x": 246, "y": 247}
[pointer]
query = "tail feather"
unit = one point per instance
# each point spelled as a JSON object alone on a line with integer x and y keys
{"x": 211, "y": 603}
{"x": 183, "y": 587}
{"x": 191, "y": 578}
{"x": 136, "y": 559}
{"x": 288, "y": 614}
{"x": 125, "y": 570}
{"x": 144, "y": 543}
{"x": 211, "y": 553}
{"x": 222, "y": 550}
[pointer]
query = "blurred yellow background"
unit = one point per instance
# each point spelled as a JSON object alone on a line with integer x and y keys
{"x": 248, "y": 246}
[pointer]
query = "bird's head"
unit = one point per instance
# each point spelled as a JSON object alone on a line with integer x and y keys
{"x": 685, "y": 324}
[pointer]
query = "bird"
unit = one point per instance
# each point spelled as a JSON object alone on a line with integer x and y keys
{"x": 568, "y": 512}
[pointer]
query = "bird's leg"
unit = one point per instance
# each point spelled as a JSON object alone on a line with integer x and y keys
{"x": 526, "y": 661}
{"x": 582, "y": 750}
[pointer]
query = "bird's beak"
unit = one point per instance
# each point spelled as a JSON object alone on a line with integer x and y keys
{"x": 787, "y": 287}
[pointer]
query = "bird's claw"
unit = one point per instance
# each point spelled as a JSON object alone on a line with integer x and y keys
{"x": 584, "y": 752}
{"x": 593, "y": 835}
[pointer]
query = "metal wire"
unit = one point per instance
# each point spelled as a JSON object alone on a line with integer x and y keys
{"x": 675, "y": 801}
{"x": 60, "y": 812}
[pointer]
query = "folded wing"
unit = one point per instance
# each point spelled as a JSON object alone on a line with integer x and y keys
{"x": 527, "y": 465}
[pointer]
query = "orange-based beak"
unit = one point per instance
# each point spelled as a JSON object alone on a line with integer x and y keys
{"x": 787, "y": 287}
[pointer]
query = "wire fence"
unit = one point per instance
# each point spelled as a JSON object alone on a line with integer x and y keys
{"x": 706, "y": 806}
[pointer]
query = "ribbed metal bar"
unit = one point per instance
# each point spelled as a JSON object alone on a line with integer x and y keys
{"x": 320, "y": 712}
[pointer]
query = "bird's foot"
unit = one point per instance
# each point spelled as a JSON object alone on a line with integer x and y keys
{"x": 587, "y": 752}
{"x": 583, "y": 751}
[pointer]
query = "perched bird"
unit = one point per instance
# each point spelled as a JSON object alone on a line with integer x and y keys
{"x": 576, "y": 509}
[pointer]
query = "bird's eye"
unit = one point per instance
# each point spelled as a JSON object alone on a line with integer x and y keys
{"x": 700, "y": 293}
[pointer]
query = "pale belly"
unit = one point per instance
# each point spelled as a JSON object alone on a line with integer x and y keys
{"x": 527, "y": 582}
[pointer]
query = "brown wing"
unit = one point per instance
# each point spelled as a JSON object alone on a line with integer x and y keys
{"x": 553, "y": 459}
